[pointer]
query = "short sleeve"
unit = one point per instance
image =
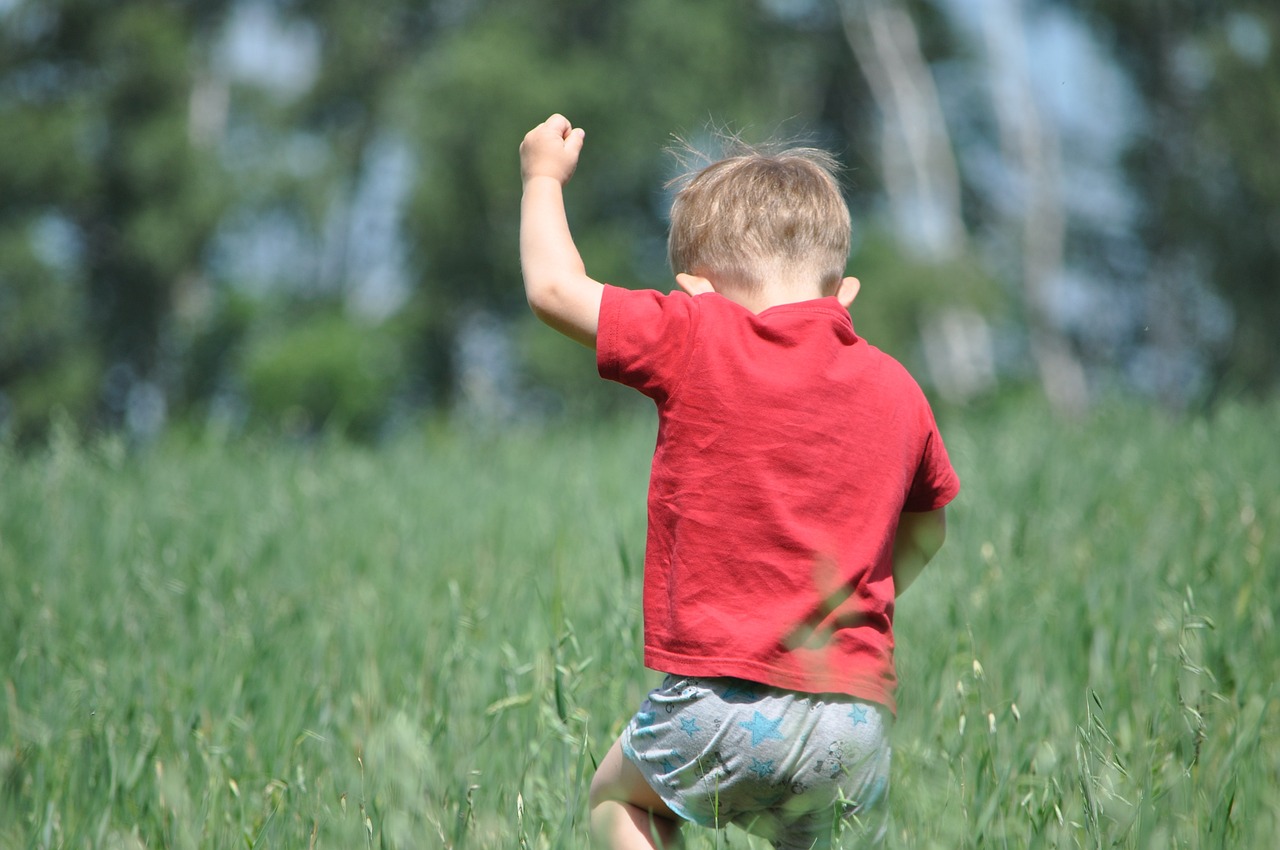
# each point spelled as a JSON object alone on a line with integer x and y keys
{"x": 935, "y": 482}
{"x": 643, "y": 338}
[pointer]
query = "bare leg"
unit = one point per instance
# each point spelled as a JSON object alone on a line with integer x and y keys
{"x": 626, "y": 814}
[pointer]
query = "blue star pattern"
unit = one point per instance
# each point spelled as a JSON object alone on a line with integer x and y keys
{"x": 644, "y": 725}
{"x": 762, "y": 729}
{"x": 730, "y": 777}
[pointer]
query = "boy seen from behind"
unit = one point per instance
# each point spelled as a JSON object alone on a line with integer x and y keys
{"x": 799, "y": 484}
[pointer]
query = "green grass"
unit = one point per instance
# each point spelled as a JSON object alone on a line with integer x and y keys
{"x": 429, "y": 644}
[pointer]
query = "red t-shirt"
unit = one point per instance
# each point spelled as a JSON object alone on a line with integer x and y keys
{"x": 787, "y": 449}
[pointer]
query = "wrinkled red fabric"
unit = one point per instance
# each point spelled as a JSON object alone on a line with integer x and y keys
{"x": 787, "y": 449}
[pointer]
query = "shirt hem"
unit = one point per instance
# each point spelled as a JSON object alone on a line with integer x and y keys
{"x": 861, "y": 687}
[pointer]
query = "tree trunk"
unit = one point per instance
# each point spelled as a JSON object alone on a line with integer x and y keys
{"x": 922, "y": 183}
{"x": 920, "y": 173}
{"x": 1030, "y": 146}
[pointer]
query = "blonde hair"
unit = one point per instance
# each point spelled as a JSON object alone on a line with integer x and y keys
{"x": 758, "y": 212}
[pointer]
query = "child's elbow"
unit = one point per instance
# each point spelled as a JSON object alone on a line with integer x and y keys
{"x": 543, "y": 297}
{"x": 543, "y": 314}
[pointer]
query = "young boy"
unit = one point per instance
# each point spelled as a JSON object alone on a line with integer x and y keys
{"x": 798, "y": 485}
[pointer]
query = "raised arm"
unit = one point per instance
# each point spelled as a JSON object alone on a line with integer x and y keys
{"x": 555, "y": 279}
{"x": 920, "y": 536}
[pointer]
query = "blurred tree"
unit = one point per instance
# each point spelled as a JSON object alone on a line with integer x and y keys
{"x": 193, "y": 190}
{"x": 1205, "y": 166}
{"x": 106, "y": 202}
{"x": 932, "y": 287}
{"x": 324, "y": 372}
{"x": 1030, "y": 146}
{"x": 632, "y": 74}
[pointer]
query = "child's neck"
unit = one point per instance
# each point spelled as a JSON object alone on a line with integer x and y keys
{"x": 759, "y": 300}
{"x": 773, "y": 294}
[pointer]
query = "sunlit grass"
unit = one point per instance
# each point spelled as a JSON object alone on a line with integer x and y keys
{"x": 429, "y": 644}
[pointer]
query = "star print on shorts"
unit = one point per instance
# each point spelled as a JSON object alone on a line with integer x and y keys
{"x": 762, "y": 728}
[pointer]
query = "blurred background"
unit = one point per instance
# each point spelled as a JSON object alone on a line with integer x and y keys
{"x": 301, "y": 215}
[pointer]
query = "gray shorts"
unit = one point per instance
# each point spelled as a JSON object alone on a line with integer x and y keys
{"x": 795, "y": 768}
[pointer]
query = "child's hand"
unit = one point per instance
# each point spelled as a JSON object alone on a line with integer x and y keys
{"x": 551, "y": 150}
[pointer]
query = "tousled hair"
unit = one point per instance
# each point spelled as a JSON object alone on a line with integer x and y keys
{"x": 761, "y": 211}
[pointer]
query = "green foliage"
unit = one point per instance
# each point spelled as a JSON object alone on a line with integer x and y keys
{"x": 64, "y": 385}
{"x": 1235, "y": 125}
{"x": 327, "y": 371}
{"x": 129, "y": 135}
{"x": 899, "y": 294}
{"x": 94, "y": 108}
{"x": 566, "y": 370}
{"x": 631, "y": 74}
{"x": 43, "y": 366}
{"x": 1205, "y": 163}
{"x": 430, "y": 645}
{"x": 215, "y": 337}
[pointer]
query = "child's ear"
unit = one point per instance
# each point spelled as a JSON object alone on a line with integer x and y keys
{"x": 693, "y": 284}
{"x": 848, "y": 291}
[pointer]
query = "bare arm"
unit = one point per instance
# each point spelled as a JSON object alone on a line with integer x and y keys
{"x": 555, "y": 279}
{"x": 920, "y": 536}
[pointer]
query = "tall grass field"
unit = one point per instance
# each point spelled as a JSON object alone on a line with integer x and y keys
{"x": 429, "y": 644}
